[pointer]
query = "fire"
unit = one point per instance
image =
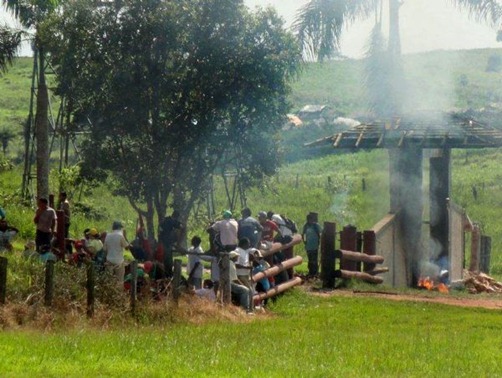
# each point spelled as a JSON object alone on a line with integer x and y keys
{"x": 428, "y": 283}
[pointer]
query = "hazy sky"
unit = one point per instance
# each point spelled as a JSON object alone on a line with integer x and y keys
{"x": 425, "y": 25}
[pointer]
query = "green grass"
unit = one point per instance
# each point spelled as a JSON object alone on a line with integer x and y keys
{"x": 308, "y": 337}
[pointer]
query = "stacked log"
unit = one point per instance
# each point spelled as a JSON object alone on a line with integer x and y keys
{"x": 480, "y": 283}
{"x": 348, "y": 274}
{"x": 276, "y": 269}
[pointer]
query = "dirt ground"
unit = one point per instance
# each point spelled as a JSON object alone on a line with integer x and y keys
{"x": 477, "y": 301}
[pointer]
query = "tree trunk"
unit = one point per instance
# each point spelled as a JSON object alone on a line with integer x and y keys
{"x": 42, "y": 130}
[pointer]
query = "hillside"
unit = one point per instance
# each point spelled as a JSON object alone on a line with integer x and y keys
{"x": 329, "y": 184}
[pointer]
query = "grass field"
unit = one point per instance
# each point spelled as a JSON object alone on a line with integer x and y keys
{"x": 305, "y": 337}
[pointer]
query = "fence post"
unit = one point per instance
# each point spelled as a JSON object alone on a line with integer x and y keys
{"x": 134, "y": 284}
{"x": 225, "y": 287}
{"x": 176, "y": 280}
{"x": 328, "y": 255}
{"x": 49, "y": 282}
{"x": 348, "y": 242}
{"x": 90, "y": 289}
{"x": 3, "y": 279}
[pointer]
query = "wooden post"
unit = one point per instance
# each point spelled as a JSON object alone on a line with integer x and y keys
{"x": 3, "y": 279}
{"x": 486, "y": 249}
{"x": 176, "y": 280}
{"x": 225, "y": 288}
{"x": 134, "y": 285}
{"x": 288, "y": 254}
{"x": 90, "y": 284}
{"x": 60, "y": 234}
{"x": 475, "y": 246}
{"x": 348, "y": 242}
{"x": 369, "y": 247}
{"x": 49, "y": 282}
{"x": 328, "y": 255}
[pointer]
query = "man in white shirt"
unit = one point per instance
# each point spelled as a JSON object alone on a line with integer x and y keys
{"x": 114, "y": 246}
{"x": 227, "y": 228}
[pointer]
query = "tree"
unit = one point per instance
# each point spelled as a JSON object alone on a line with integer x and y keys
{"x": 172, "y": 87}
{"x": 319, "y": 27}
{"x": 10, "y": 40}
{"x": 31, "y": 14}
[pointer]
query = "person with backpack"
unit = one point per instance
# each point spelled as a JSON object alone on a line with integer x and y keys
{"x": 311, "y": 236}
{"x": 286, "y": 227}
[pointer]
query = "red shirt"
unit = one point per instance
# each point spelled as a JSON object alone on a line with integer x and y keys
{"x": 268, "y": 230}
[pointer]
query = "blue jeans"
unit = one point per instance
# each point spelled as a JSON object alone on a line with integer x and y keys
{"x": 243, "y": 293}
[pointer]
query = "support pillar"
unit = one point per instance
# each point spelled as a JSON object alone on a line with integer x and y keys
{"x": 439, "y": 192}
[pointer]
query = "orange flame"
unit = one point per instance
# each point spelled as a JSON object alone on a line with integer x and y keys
{"x": 428, "y": 283}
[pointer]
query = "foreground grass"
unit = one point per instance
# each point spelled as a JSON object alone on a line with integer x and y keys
{"x": 309, "y": 337}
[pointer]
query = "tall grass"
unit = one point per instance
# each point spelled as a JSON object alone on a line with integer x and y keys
{"x": 307, "y": 336}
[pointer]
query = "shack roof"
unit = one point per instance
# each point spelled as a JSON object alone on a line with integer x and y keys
{"x": 430, "y": 131}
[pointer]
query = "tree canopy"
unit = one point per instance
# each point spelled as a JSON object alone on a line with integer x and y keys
{"x": 171, "y": 89}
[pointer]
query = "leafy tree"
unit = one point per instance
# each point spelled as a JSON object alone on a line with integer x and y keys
{"x": 172, "y": 89}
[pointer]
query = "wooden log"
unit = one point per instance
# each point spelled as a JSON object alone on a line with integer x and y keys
{"x": 272, "y": 271}
{"x": 3, "y": 279}
{"x": 134, "y": 285}
{"x": 176, "y": 280}
{"x": 225, "y": 287}
{"x": 49, "y": 282}
{"x": 278, "y": 289}
{"x": 328, "y": 237}
{"x": 90, "y": 285}
{"x": 346, "y": 274}
{"x": 358, "y": 256}
{"x": 277, "y": 247}
{"x": 376, "y": 271}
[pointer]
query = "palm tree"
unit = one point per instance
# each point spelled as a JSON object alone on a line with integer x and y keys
{"x": 319, "y": 27}
{"x": 10, "y": 40}
{"x": 31, "y": 13}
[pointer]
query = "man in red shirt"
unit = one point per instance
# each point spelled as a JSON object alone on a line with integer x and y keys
{"x": 269, "y": 227}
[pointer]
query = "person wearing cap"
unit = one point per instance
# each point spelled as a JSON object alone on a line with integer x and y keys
{"x": 236, "y": 286}
{"x": 114, "y": 246}
{"x": 228, "y": 229}
{"x": 249, "y": 228}
{"x": 93, "y": 243}
{"x": 269, "y": 227}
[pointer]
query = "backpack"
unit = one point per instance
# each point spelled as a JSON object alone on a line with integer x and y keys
{"x": 290, "y": 224}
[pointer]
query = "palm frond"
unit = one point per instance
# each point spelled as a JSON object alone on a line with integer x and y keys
{"x": 482, "y": 10}
{"x": 319, "y": 24}
{"x": 10, "y": 40}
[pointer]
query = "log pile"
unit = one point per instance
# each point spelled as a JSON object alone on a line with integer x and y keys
{"x": 477, "y": 283}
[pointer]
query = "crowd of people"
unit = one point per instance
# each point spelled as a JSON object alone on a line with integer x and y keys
{"x": 242, "y": 239}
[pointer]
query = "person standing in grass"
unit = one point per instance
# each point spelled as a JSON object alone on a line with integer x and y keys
{"x": 311, "y": 236}
{"x": 114, "y": 245}
{"x": 169, "y": 230}
{"x": 45, "y": 219}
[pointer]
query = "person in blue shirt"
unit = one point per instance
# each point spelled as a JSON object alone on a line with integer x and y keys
{"x": 311, "y": 236}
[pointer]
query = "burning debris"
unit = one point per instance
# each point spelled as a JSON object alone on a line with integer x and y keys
{"x": 431, "y": 285}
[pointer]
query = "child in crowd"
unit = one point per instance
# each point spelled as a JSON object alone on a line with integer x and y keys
{"x": 195, "y": 268}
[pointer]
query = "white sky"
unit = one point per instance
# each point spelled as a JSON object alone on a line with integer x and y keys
{"x": 425, "y": 25}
